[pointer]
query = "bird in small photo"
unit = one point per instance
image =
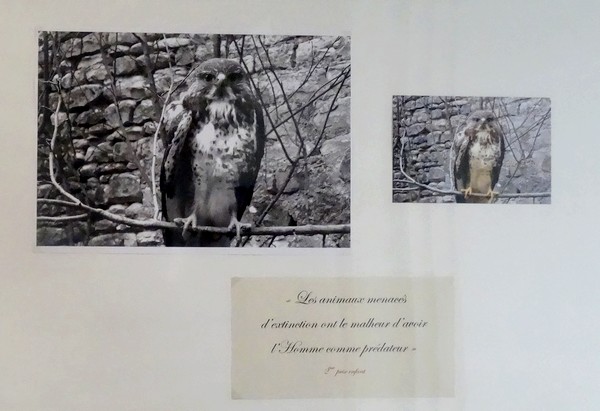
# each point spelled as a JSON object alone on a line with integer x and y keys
{"x": 476, "y": 157}
{"x": 214, "y": 143}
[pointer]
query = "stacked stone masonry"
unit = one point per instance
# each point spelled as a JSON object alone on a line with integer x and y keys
{"x": 110, "y": 112}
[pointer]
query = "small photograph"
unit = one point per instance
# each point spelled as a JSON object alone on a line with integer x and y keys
{"x": 193, "y": 140}
{"x": 486, "y": 150}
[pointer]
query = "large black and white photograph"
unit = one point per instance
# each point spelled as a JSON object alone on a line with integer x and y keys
{"x": 471, "y": 150}
{"x": 193, "y": 140}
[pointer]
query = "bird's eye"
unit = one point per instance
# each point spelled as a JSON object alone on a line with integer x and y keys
{"x": 489, "y": 119}
{"x": 235, "y": 76}
{"x": 208, "y": 77}
{"x": 475, "y": 118}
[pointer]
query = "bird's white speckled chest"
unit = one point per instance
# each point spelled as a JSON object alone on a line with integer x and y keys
{"x": 221, "y": 150}
{"x": 483, "y": 153}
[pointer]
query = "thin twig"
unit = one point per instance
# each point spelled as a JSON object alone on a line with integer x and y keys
{"x": 333, "y": 83}
{"x": 295, "y": 162}
{"x": 299, "y": 136}
{"x": 51, "y": 158}
{"x": 335, "y": 97}
{"x": 257, "y": 51}
{"x": 264, "y": 105}
{"x": 57, "y": 202}
{"x": 62, "y": 219}
{"x": 149, "y": 66}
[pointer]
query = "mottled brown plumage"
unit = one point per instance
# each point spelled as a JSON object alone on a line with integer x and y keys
{"x": 214, "y": 145}
{"x": 476, "y": 157}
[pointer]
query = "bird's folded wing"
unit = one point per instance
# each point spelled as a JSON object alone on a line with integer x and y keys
{"x": 177, "y": 126}
{"x": 459, "y": 150}
{"x": 498, "y": 161}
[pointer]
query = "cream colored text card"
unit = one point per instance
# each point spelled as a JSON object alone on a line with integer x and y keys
{"x": 342, "y": 337}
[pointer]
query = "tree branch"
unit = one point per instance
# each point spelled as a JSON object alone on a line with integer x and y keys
{"x": 410, "y": 180}
{"x": 157, "y": 224}
{"x": 309, "y": 229}
{"x": 452, "y": 192}
{"x": 149, "y": 67}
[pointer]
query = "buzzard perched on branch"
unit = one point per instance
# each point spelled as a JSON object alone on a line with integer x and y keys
{"x": 214, "y": 143}
{"x": 476, "y": 158}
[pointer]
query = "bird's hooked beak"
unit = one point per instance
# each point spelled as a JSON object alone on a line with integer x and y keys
{"x": 220, "y": 78}
{"x": 484, "y": 124}
{"x": 221, "y": 88}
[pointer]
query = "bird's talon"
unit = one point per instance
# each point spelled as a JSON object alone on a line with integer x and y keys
{"x": 238, "y": 228}
{"x": 186, "y": 222}
{"x": 491, "y": 194}
{"x": 467, "y": 191}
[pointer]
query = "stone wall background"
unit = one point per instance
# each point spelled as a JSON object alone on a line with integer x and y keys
{"x": 113, "y": 86}
{"x": 426, "y": 124}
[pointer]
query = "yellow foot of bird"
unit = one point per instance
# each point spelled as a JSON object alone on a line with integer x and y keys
{"x": 467, "y": 192}
{"x": 187, "y": 222}
{"x": 238, "y": 228}
{"x": 491, "y": 194}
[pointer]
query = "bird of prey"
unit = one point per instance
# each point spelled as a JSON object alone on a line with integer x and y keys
{"x": 476, "y": 157}
{"x": 214, "y": 142}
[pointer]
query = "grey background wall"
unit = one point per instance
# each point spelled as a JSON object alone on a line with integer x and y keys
{"x": 150, "y": 328}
